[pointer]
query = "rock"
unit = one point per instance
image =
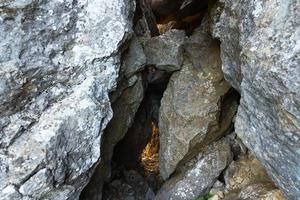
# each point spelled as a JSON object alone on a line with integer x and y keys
{"x": 256, "y": 191}
{"x": 133, "y": 187}
{"x": 247, "y": 179}
{"x": 191, "y": 106}
{"x": 261, "y": 192}
{"x": 243, "y": 172}
{"x": 217, "y": 188}
{"x": 58, "y": 61}
{"x": 165, "y": 51}
{"x": 119, "y": 189}
{"x": 260, "y": 54}
{"x": 135, "y": 59}
{"x": 202, "y": 175}
{"x": 126, "y": 101}
{"x": 145, "y": 19}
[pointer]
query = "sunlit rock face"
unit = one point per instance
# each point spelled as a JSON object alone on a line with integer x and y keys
{"x": 58, "y": 61}
{"x": 260, "y": 54}
{"x": 191, "y": 106}
{"x": 246, "y": 178}
{"x": 201, "y": 174}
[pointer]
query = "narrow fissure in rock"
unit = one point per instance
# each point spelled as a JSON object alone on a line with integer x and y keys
{"x": 135, "y": 162}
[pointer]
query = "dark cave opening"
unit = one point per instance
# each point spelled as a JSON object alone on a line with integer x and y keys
{"x": 135, "y": 157}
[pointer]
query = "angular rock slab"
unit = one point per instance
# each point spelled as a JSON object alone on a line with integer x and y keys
{"x": 165, "y": 52}
{"x": 191, "y": 105}
{"x": 260, "y": 54}
{"x": 197, "y": 180}
{"x": 58, "y": 61}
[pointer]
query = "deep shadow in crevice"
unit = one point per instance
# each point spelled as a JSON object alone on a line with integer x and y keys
{"x": 138, "y": 150}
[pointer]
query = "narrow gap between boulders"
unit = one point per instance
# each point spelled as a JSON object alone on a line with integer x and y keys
{"x": 135, "y": 166}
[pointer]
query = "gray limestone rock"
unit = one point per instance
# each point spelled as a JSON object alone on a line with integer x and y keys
{"x": 135, "y": 59}
{"x": 58, "y": 61}
{"x": 124, "y": 108}
{"x": 260, "y": 54}
{"x": 191, "y": 106}
{"x": 165, "y": 52}
{"x": 201, "y": 176}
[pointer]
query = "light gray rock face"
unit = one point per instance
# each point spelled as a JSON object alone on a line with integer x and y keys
{"x": 191, "y": 106}
{"x": 124, "y": 107}
{"x": 165, "y": 52}
{"x": 260, "y": 54}
{"x": 58, "y": 61}
{"x": 201, "y": 176}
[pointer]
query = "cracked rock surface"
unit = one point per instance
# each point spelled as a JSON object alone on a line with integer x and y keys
{"x": 260, "y": 55}
{"x": 191, "y": 106}
{"x": 58, "y": 61}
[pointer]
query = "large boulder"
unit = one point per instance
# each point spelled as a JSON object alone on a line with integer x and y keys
{"x": 192, "y": 103}
{"x": 58, "y": 61}
{"x": 260, "y": 54}
{"x": 201, "y": 174}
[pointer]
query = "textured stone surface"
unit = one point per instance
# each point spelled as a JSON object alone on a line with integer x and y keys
{"x": 124, "y": 106}
{"x": 165, "y": 51}
{"x": 190, "y": 108}
{"x": 58, "y": 61}
{"x": 201, "y": 176}
{"x": 260, "y": 54}
{"x": 135, "y": 59}
{"x": 125, "y": 102}
{"x": 247, "y": 179}
{"x": 133, "y": 187}
{"x": 243, "y": 172}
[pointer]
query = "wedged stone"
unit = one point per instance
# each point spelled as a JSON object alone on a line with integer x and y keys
{"x": 192, "y": 103}
{"x": 58, "y": 61}
{"x": 246, "y": 179}
{"x": 260, "y": 54}
{"x": 165, "y": 52}
{"x": 201, "y": 176}
{"x": 135, "y": 59}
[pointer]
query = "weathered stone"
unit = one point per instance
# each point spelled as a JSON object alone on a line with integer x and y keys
{"x": 58, "y": 61}
{"x": 165, "y": 52}
{"x": 258, "y": 191}
{"x": 133, "y": 187}
{"x": 197, "y": 180}
{"x": 145, "y": 20}
{"x": 124, "y": 106}
{"x": 135, "y": 59}
{"x": 246, "y": 179}
{"x": 191, "y": 105}
{"x": 243, "y": 172}
{"x": 260, "y": 54}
